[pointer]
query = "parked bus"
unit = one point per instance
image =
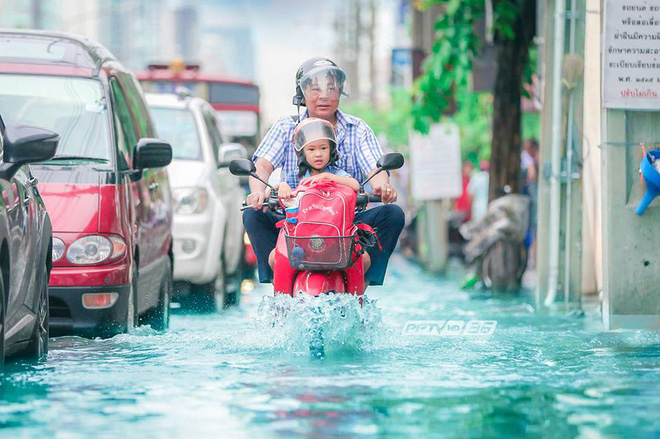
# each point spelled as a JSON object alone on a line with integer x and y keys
{"x": 235, "y": 101}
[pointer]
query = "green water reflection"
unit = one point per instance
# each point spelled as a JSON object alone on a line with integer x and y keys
{"x": 224, "y": 376}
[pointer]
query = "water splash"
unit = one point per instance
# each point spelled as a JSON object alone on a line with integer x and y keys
{"x": 339, "y": 320}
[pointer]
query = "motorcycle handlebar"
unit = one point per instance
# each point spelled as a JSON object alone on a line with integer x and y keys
{"x": 273, "y": 202}
{"x": 364, "y": 199}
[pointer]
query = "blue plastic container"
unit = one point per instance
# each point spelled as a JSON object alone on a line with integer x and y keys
{"x": 652, "y": 179}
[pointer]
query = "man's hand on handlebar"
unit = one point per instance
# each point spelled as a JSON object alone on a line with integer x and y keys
{"x": 387, "y": 193}
{"x": 256, "y": 199}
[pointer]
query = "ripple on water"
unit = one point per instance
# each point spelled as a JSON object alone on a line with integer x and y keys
{"x": 248, "y": 372}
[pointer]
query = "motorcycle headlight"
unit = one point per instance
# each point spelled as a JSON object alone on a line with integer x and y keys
{"x": 94, "y": 249}
{"x": 58, "y": 249}
{"x": 190, "y": 201}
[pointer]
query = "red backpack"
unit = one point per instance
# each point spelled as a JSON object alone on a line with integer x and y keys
{"x": 325, "y": 208}
{"x": 322, "y": 237}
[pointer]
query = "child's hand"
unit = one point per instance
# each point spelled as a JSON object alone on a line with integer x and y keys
{"x": 284, "y": 191}
{"x": 317, "y": 177}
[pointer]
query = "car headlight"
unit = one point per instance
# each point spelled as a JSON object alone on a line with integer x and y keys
{"x": 58, "y": 249}
{"x": 93, "y": 249}
{"x": 190, "y": 201}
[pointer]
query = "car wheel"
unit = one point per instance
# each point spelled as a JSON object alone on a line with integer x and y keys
{"x": 2, "y": 322}
{"x": 159, "y": 317}
{"x": 209, "y": 297}
{"x": 38, "y": 346}
{"x": 233, "y": 284}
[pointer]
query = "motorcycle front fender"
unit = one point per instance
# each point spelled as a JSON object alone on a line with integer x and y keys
{"x": 315, "y": 283}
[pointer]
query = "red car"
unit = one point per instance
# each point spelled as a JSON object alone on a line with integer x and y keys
{"x": 106, "y": 191}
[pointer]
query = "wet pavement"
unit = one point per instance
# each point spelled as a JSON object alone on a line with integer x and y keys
{"x": 248, "y": 373}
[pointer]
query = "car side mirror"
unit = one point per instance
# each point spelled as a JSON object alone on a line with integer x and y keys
{"x": 242, "y": 167}
{"x": 151, "y": 153}
{"x": 229, "y": 152}
{"x": 23, "y": 144}
{"x": 391, "y": 161}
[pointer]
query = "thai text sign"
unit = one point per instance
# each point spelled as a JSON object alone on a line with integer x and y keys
{"x": 631, "y": 54}
{"x": 435, "y": 163}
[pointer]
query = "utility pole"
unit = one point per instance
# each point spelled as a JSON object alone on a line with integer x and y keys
{"x": 36, "y": 14}
{"x": 373, "y": 13}
{"x": 433, "y": 232}
{"x": 357, "y": 36}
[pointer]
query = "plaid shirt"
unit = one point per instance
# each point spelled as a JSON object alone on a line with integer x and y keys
{"x": 357, "y": 146}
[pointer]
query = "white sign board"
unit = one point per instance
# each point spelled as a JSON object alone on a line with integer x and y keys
{"x": 631, "y": 54}
{"x": 436, "y": 163}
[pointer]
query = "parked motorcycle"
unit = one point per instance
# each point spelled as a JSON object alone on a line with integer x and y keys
{"x": 496, "y": 243}
{"x": 320, "y": 249}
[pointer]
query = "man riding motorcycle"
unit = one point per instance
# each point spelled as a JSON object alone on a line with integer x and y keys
{"x": 319, "y": 85}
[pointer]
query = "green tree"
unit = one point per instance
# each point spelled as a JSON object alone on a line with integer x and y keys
{"x": 394, "y": 121}
{"x": 447, "y": 75}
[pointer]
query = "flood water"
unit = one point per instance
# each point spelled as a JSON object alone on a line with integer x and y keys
{"x": 247, "y": 373}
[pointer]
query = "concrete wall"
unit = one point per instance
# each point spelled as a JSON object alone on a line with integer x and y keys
{"x": 631, "y": 243}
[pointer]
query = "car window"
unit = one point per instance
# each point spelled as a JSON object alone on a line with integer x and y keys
{"x": 74, "y": 108}
{"x": 126, "y": 133}
{"x": 138, "y": 106}
{"x": 214, "y": 132}
{"x": 177, "y": 126}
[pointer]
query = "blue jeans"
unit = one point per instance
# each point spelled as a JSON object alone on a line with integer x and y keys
{"x": 388, "y": 221}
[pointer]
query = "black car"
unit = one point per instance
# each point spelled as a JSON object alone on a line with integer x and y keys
{"x": 25, "y": 243}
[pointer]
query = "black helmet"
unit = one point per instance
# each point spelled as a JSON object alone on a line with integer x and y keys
{"x": 312, "y": 68}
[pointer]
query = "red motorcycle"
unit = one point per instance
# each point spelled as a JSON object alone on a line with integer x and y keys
{"x": 320, "y": 248}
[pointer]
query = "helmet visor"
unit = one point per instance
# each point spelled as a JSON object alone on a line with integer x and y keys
{"x": 312, "y": 131}
{"x": 323, "y": 81}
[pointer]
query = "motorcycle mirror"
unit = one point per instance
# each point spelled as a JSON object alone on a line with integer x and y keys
{"x": 242, "y": 167}
{"x": 245, "y": 168}
{"x": 390, "y": 161}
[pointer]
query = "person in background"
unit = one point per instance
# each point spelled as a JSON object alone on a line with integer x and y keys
{"x": 463, "y": 204}
{"x": 478, "y": 189}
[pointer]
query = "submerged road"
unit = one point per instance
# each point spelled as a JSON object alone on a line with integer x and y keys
{"x": 235, "y": 375}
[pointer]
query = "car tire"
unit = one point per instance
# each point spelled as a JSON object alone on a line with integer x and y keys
{"x": 159, "y": 317}
{"x": 38, "y": 347}
{"x": 2, "y": 322}
{"x": 209, "y": 297}
{"x": 233, "y": 283}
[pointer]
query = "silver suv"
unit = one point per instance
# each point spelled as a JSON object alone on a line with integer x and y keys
{"x": 208, "y": 226}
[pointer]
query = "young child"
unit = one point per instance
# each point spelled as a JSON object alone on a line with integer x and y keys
{"x": 316, "y": 147}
